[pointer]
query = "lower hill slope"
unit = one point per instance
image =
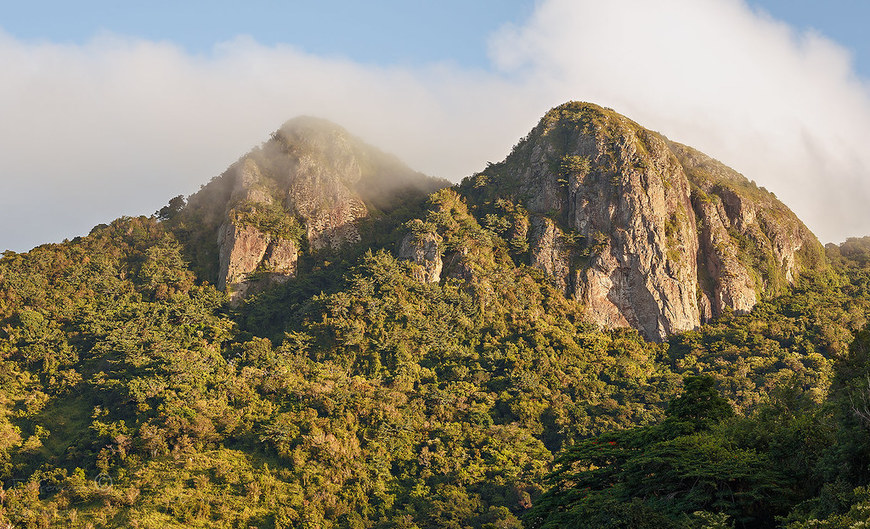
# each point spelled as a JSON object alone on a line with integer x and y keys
{"x": 132, "y": 396}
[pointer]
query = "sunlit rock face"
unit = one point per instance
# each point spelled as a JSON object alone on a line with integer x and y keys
{"x": 423, "y": 250}
{"x": 645, "y": 232}
{"x": 253, "y": 260}
{"x": 752, "y": 245}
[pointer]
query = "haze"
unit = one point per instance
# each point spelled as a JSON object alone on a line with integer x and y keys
{"x": 119, "y": 125}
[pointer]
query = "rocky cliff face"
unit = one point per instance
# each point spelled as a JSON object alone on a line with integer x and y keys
{"x": 752, "y": 245}
{"x": 645, "y": 232}
{"x": 245, "y": 251}
{"x": 307, "y": 189}
{"x": 424, "y": 250}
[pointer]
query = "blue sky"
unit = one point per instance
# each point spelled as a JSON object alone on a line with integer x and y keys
{"x": 110, "y": 108}
{"x": 845, "y": 21}
{"x": 379, "y": 32}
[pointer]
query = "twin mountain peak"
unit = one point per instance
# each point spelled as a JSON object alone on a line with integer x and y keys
{"x": 643, "y": 232}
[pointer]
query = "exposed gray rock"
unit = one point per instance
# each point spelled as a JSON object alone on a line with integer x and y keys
{"x": 645, "y": 232}
{"x": 549, "y": 252}
{"x": 618, "y": 188}
{"x": 725, "y": 282}
{"x": 752, "y": 245}
{"x": 244, "y": 250}
{"x": 281, "y": 257}
{"x": 458, "y": 266}
{"x": 424, "y": 251}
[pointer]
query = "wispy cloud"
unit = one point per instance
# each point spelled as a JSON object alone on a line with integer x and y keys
{"x": 119, "y": 125}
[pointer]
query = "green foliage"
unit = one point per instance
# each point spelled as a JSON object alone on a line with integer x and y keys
{"x": 356, "y": 396}
{"x": 853, "y": 254}
{"x": 693, "y": 461}
{"x": 799, "y": 336}
{"x": 380, "y": 399}
{"x": 269, "y": 218}
{"x": 797, "y": 450}
{"x": 171, "y": 210}
{"x": 573, "y": 165}
{"x": 699, "y": 404}
{"x": 857, "y": 505}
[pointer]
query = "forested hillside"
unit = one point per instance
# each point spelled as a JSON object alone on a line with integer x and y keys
{"x": 133, "y": 397}
{"x": 365, "y": 390}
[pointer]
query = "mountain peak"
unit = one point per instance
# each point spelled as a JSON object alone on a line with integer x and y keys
{"x": 587, "y": 115}
{"x": 305, "y": 126}
{"x": 307, "y": 189}
{"x": 315, "y": 131}
{"x": 646, "y": 233}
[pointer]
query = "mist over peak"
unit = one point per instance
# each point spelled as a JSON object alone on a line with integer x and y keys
{"x": 311, "y": 125}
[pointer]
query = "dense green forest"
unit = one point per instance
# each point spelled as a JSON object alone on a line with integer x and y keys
{"x": 133, "y": 395}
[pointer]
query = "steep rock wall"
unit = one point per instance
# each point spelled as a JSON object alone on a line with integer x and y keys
{"x": 244, "y": 250}
{"x": 645, "y": 232}
{"x": 752, "y": 245}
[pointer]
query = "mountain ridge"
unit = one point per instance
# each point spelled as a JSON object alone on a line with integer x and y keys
{"x": 643, "y": 231}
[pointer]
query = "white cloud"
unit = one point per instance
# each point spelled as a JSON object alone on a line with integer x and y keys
{"x": 118, "y": 126}
{"x": 784, "y": 108}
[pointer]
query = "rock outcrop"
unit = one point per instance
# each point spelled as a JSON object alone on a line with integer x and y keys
{"x": 307, "y": 189}
{"x": 250, "y": 258}
{"x": 549, "y": 252}
{"x": 645, "y": 232}
{"x": 424, "y": 250}
{"x": 725, "y": 283}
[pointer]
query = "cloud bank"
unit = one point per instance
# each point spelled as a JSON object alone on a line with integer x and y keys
{"x": 118, "y": 126}
{"x": 786, "y": 109}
